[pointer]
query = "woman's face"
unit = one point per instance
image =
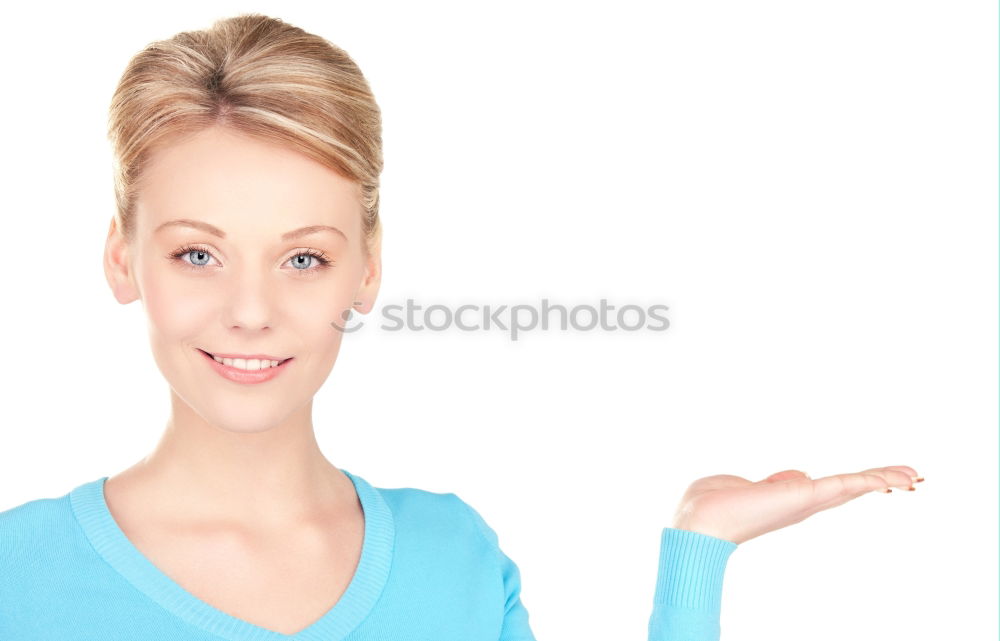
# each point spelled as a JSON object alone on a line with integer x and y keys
{"x": 229, "y": 258}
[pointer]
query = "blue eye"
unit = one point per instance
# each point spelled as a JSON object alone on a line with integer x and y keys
{"x": 195, "y": 254}
{"x": 310, "y": 256}
{"x": 198, "y": 257}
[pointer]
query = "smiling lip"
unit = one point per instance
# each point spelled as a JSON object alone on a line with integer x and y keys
{"x": 260, "y": 357}
{"x": 245, "y": 376}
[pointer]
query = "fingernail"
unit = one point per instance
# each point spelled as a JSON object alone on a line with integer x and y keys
{"x": 887, "y": 491}
{"x": 917, "y": 479}
{"x": 911, "y": 488}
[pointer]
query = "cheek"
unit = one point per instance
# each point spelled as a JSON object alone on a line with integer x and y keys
{"x": 176, "y": 307}
{"x": 327, "y": 305}
{"x": 319, "y": 315}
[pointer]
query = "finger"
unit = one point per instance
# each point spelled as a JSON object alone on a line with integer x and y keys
{"x": 906, "y": 469}
{"x": 838, "y": 489}
{"x": 831, "y": 491}
{"x": 894, "y": 477}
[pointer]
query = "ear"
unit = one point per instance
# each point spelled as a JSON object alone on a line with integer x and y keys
{"x": 364, "y": 300}
{"x": 117, "y": 266}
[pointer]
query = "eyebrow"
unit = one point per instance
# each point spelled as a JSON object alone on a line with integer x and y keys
{"x": 215, "y": 231}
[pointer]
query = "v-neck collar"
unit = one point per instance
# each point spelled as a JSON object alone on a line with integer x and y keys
{"x": 92, "y": 513}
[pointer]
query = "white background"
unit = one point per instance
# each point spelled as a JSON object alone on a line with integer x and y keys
{"x": 811, "y": 187}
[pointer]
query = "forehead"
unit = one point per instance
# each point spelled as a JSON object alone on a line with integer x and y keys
{"x": 229, "y": 178}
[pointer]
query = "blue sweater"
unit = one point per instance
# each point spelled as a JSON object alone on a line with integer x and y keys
{"x": 430, "y": 569}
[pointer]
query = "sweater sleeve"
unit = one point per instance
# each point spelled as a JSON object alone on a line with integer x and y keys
{"x": 686, "y": 602}
{"x": 514, "y": 621}
{"x": 688, "y": 596}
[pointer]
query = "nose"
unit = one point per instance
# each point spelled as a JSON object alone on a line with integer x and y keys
{"x": 249, "y": 302}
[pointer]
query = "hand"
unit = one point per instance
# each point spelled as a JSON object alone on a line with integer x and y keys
{"x": 737, "y": 510}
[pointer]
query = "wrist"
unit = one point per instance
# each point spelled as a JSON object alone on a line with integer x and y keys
{"x": 691, "y": 525}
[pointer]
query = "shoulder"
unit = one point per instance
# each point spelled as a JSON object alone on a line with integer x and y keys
{"x": 440, "y": 539}
{"x": 36, "y": 533}
{"x": 438, "y": 514}
{"x": 34, "y": 518}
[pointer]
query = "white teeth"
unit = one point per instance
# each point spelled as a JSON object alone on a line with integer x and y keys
{"x": 251, "y": 364}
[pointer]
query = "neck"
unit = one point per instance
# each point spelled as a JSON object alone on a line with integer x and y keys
{"x": 201, "y": 472}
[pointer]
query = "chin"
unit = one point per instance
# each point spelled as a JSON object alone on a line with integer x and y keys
{"x": 242, "y": 421}
{"x": 235, "y": 413}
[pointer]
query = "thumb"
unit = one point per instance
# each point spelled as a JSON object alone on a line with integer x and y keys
{"x": 786, "y": 475}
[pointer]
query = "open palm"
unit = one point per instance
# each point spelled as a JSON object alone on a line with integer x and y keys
{"x": 737, "y": 510}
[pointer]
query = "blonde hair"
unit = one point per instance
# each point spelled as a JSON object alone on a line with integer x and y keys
{"x": 256, "y": 75}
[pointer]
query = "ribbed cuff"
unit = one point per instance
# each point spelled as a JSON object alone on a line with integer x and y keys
{"x": 691, "y": 570}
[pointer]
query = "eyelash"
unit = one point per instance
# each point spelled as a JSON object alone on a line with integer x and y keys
{"x": 323, "y": 260}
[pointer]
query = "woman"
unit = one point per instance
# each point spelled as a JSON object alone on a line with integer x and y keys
{"x": 247, "y": 171}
